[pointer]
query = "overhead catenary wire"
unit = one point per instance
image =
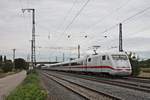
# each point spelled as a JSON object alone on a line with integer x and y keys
{"x": 74, "y": 18}
{"x": 108, "y": 29}
{"x": 78, "y": 13}
{"x": 108, "y": 15}
{"x": 141, "y": 30}
{"x": 66, "y": 16}
{"x": 82, "y": 8}
{"x": 123, "y": 21}
{"x": 136, "y": 14}
{"x": 63, "y": 21}
{"x": 117, "y": 9}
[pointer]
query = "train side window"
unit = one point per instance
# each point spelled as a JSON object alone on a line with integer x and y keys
{"x": 103, "y": 57}
{"x": 89, "y": 59}
{"x": 107, "y": 57}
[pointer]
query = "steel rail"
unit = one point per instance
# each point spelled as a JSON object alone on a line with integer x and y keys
{"x": 135, "y": 86}
{"x": 86, "y": 92}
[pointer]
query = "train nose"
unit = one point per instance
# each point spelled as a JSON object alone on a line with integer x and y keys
{"x": 123, "y": 71}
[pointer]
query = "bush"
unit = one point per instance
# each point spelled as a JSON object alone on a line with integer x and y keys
{"x": 20, "y": 64}
{"x": 135, "y": 67}
{"x": 134, "y": 63}
{"x": 30, "y": 89}
{"x": 0, "y": 65}
{"x": 7, "y": 66}
{"x": 145, "y": 63}
{"x": 1, "y": 61}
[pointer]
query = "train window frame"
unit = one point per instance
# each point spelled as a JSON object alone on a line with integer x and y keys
{"x": 89, "y": 59}
{"x": 104, "y": 57}
{"x": 117, "y": 57}
{"x": 108, "y": 58}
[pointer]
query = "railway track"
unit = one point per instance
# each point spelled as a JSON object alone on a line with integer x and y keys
{"x": 120, "y": 82}
{"x": 86, "y": 92}
{"x": 138, "y": 79}
{"x": 135, "y": 86}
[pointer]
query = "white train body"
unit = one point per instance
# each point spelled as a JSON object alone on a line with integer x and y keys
{"x": 109, "y": 63}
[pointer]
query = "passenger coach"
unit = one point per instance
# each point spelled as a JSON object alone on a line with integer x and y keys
{"x": 107, "y": 63}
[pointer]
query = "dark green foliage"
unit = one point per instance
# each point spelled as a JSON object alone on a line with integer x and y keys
{"x": 7, "y": 66}
{"x": 134, "y": 63}
{"x": 1, "y": 64}
{"x": 30, "y": 89}
{"x": 5, "y": 58}
{"x": 1, "y": 61}
{"x": 135, "y": 67}
{"x": 1, "y": 58}
{"x": 145, "y": 63}
{"x": 20, "y": 64}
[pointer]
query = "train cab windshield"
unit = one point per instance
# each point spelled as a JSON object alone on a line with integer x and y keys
{"x": 119, "y": 57}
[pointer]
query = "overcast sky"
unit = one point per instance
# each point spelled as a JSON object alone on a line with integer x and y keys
{"x": 54, "y": 24}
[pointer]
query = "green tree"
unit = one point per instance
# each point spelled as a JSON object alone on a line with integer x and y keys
{"x": 1, "y": 61}
{"x": 1, "y": 58}
{"x": 20, "y": 63}
{"x": 7, "y": 66}
{"x": 134, "y": 63}
{"x": 145, "y": 63}
{"x": 5, "y": 58}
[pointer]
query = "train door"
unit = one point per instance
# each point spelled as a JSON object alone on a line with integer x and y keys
{"x": 104, "y": 63}
{"x": 100, "y": 63}
{"x": 92, "y": 63}
{"x": 89, "y": 63}
{"x": 96, "y": 64}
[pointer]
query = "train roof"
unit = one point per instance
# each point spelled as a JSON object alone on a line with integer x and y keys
{"x": 91, "y": 55}
{"x": 112, "y": 53}
{"x": 107, "y": 53}
{"x": 62, "y": 63}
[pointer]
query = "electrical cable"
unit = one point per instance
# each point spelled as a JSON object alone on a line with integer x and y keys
{"x": 66, "y": 16}
{"x": 136, "y": 14}
{"x": 108, "y": 15}
{"x": 78, "y": 13}
{"x": 73, "y": 19}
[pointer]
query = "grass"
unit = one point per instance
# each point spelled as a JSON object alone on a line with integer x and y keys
{"x": 30, "y": 89}
{"x": 2, "y": 74}
{"x": 145, "y": 72}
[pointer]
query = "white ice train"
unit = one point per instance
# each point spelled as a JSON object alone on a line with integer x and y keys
{"x": 107, "y": 63}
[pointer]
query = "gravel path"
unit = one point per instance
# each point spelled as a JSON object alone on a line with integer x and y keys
{"x": 9, "y": 83}
{"x": 58, "y": 92}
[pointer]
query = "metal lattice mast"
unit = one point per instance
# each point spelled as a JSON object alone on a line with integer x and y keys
{"x": 120, "y": 38}
{"x": 78, "y": 51}
{"x": 14, "y": 53}
{"x": 33, "y": 51}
